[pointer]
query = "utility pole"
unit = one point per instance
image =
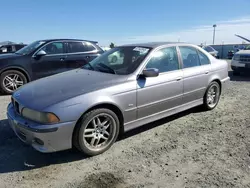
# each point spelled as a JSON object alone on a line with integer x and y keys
{"x": 214, "y": 26}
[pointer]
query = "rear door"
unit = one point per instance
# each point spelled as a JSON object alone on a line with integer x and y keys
{"x": 51, "y": 63}
{"x": 195, "y": 74}
{"x": 79, "y": 53}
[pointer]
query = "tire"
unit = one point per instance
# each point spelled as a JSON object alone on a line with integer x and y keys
{"x": 85, "y": 132}
{"x": 4, "y": 81}
{"x": 207, "y": 97}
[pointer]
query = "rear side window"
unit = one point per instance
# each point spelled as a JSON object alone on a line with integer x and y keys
{"x": 77, "y": 47}
{"x": 189, "y": 56}
{"x": 18, "y": 47}
{"x": 203, "y": 58}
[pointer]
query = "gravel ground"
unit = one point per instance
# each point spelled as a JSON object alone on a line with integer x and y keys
{"x": 191, "y": 149}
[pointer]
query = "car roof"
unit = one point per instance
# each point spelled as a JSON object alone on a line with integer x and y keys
{"x": 154, "y": 44}
{"x": 51, "y": 40}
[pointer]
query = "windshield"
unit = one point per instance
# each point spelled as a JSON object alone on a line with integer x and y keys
{"x": 120, "y": 60}
{"x": 30, "y": 48}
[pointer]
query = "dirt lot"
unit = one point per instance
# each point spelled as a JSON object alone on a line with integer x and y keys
{"x": 191, "y": 149}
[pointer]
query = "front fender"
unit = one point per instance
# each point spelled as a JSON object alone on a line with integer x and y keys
{"x": 72, "y": 109}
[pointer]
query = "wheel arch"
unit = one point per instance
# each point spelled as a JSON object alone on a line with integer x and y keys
{"x": 218, "y": 81}
{"x": 16, "y": 68}
{"x": 106, "y": 105}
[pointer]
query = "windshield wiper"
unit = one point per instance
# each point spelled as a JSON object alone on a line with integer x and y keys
{"x": 107, "y": 68}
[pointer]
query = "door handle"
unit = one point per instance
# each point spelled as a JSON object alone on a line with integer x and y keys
{"x": 206, "y": 72}
{"x": 87, "y": 57}
{"x": 178, "y": 79}
{"x": 62, "y": 59}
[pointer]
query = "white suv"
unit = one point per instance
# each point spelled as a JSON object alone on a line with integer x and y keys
{"x": 241, "y": 61}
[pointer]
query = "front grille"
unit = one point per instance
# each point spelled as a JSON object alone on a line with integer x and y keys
{"x": 245, "y": 58}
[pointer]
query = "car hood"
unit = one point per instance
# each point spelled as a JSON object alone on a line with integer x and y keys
{"x": 51, "y": 90}
{"x": 9, "y": 56}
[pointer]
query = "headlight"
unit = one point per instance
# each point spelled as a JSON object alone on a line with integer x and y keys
{"x": 41, "y": 117}
{"x": 236, "y": 57}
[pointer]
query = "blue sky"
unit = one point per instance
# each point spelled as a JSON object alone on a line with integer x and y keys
{"x": 125, "y": 21}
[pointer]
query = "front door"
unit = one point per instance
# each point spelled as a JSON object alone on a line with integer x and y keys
{"x": 51, "y": 63}
{"x": 164, "y": 92}
{"x": 196, "y": 69}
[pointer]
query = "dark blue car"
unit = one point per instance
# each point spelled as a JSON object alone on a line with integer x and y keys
{"x": 44, "y": 58}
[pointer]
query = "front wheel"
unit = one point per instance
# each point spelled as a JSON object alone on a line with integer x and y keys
{"x": 11, "y": 80}
{"x": 96, "y": 132}
{"x": 212, "y": 96}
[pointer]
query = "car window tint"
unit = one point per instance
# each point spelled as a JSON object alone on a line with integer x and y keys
{"x": 76, "y": 47}
{"x": 189, "y": 57}
{"x": 53, "y": 48}
{"x": 164, "y": 60}
{"x": 203, "y": 58}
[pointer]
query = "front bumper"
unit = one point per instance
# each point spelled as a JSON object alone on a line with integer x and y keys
{"x": 44, "y": 138}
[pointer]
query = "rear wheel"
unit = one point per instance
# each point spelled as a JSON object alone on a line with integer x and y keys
{"x": 11, "y": 80}
{"x": 96, "y": 132}
{"x": 212, "y": 96}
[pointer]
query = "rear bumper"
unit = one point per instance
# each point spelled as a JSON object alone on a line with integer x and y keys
{"x": 44, "y": 138}
{"x": 224, "y": 83}
{"x": 240, "y": 69}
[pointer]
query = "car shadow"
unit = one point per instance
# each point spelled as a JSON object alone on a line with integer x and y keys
{"x": 16, "y": 156}
{"x": 242, "y": 77}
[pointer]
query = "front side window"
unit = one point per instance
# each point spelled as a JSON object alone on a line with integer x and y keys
{"x": 77, "y": 47}
{"x": 119, "y": 60}
{"x": 53, "y": 48}
{"x": 203, "y": 58}
{"x": 164, "y": 60}
{"x": 189, "y": 57}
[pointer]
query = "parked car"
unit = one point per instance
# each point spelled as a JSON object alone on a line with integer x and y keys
{"x": 211, "y": 50}
{"x": 44, "y": 58}
{"x": 89, "y": 107}
{"x": 241, "y": 62}
{"x": 11, "y": 48}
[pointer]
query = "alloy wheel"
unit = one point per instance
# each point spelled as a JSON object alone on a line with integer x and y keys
{"x": 99, "y": 131}
{"x": 213, "y": 96}
{"x": 11, "y": 82}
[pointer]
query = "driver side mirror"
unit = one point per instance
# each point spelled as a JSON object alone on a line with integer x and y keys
{"x": 41, "y": 53}
{"x": 151, "y": 72}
